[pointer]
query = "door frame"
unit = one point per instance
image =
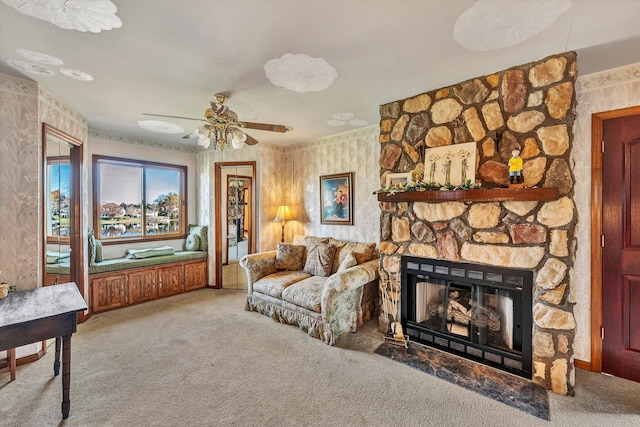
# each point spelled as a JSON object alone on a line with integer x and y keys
{"x": 218, "y": 203}
{"x": 597, "y": 124}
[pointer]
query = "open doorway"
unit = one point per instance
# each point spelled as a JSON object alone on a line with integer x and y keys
{"x": 235, "y": 229}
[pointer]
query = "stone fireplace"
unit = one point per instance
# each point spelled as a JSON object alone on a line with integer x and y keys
{"x": 530, "y": 106}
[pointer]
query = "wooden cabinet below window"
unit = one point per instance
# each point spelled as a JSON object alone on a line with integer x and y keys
{"x": 55, "y": 279}
{"x": 195, "y": 275}
{"x": 108, "y": 291}
{"x": 141, "y": 285}
{"x": 170, "y": 280}
{"x": 123, "y": 288}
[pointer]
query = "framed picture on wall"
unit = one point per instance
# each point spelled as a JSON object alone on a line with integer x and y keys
{"x": 336, "y": 199}
{"x": 398, "y": 179}
{"x": 450, "y": 165}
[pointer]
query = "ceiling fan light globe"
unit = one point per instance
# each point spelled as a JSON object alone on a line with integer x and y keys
{"x": 239, "y": 135}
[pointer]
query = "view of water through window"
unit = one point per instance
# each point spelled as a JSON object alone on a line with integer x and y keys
{"x": 138, "y": 200}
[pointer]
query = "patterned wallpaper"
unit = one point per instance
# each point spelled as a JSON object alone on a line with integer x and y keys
{"x": 24, "y": 107}
{"x": 357, "y": 151}
{"x": 609, "y": 90}
{"x": 19, "y": 182}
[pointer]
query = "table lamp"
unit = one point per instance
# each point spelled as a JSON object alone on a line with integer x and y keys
{"x": 284, "y": 214}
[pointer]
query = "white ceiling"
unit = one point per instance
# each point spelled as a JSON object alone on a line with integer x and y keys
{"x": 171, "y": 56}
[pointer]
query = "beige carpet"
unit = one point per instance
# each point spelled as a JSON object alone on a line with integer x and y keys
{"x": 199, "y": 359}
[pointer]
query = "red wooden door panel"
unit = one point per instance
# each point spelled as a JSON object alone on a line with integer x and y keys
{"x": 621, "y": 251}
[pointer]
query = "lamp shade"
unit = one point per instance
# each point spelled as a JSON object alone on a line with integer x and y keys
{"x": 284, "y": 214}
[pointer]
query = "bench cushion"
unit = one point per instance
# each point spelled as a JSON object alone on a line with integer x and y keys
{"x": 275, "y": 283}
{"x": 117, "y": 264}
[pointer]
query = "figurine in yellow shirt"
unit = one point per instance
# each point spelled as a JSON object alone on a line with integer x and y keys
{"x": 515, "y": 166}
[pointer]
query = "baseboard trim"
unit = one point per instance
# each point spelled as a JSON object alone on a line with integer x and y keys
{"x": 582, "y": 364}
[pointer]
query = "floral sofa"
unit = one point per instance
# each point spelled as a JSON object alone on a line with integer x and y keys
{"x": 325, "y": 286}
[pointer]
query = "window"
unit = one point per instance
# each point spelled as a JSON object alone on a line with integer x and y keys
{"x": 136, "y": 200}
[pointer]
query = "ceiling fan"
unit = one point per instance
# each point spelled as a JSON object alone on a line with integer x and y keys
{"x": 221, "y": 126}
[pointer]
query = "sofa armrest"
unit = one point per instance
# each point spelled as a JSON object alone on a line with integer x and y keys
{"x": 257, "y": 266}
{"x": 353, "y": 277}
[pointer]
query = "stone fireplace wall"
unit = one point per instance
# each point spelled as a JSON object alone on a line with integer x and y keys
{"x": 532, "y": 106}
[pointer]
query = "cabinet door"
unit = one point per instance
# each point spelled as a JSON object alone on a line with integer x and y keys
{"x": 141, "y": 286}
{"x": 195, "y": 275}
{"x": 54, "y": 279}
{"x": 107, "y": 292}
{"x": 171, "y": 280}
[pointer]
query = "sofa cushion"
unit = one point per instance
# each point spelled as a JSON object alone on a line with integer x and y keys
{"x": 319, "y": 259}
{"x": 306, "y": 293}
{"x": 366, "y": 251}
{"x": 275, "y": 283}
{"x": 290, "y": 257}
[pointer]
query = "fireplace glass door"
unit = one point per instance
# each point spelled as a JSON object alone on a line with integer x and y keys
{"x": 480, "y": 312}
{"x": 476, "y": 313}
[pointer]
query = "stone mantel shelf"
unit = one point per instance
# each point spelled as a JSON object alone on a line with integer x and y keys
{"x": 478, "y": 195}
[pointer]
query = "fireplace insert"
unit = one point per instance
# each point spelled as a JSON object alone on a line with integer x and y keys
{"x": 480, "y": 312}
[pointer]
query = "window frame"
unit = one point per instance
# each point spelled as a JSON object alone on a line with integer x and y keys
{"x": 143, "y": 164}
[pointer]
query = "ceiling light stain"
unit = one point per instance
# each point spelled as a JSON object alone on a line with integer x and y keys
{"x": 40, "y": 57}
{"x": 160, "y": 126}
{"x": 81, "y": 15}
{"x": 491, "y": 24}
{"x": 27, "y": 67}
{"x": 300, "y": 73}
{"x": 76, "y": 74}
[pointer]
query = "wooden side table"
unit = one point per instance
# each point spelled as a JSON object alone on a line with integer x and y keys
{"x": 39, "y": 314}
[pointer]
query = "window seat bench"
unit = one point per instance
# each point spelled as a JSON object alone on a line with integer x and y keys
{"x": 121, "y": 282}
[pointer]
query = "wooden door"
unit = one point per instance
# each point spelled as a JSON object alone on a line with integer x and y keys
{"x": 107, "y": 292}
{"x": 621, "y": 247}
{"x": 195, "y": 275}
{"x": 142, "y": 286}
{"x": 171, "y": 280}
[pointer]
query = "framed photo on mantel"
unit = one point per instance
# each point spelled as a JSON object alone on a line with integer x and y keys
{"x": 336, "y": 199}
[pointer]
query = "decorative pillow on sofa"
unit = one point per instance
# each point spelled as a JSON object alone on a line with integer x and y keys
{"x": 365, "y": 251}
{"x": 361, "y": 258}
{"x": 349, "y": 261}
{"x": 319, "y": 259}
{"x": 300, "y": 239}
{"x": 192, "y": 243}
{"x": 290, "y": 257}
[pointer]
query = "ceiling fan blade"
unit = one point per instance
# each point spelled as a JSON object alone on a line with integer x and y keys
{"x": 172, "y": 117}
{"x": 250, "y": 140}
{"x": 264, "y": 126}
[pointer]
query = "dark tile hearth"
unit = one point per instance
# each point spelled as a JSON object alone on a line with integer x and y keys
{"x": 512, "y": 390}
